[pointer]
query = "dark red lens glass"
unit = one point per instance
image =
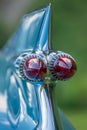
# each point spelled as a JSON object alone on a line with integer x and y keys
{"x": 34, "y": 68}
{"x": 64, "y": 67}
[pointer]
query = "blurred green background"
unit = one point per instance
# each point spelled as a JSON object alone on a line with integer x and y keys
{"x": 69, "y": 34}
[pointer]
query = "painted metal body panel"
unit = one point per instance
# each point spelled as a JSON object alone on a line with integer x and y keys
{"x": 23, "y": 104}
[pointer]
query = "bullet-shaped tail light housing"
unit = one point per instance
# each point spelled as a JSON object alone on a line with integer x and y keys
{"x": 62, "y": 66}
{"x": 32, "y": 68}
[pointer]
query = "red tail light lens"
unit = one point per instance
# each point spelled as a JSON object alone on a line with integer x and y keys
{"x": 33, "y": 68}
{"x": 63, "y": 67}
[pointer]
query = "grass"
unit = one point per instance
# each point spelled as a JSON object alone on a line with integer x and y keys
{"x": 78, "y": 118}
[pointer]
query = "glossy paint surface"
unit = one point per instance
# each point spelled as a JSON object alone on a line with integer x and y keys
{"x": 14, "y": 102}
{"x": 23, "y": 104}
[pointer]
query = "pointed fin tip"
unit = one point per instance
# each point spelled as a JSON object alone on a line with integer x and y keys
{"x": 45, "y": 9}
{"x": 44, "y": 33}
{"x": 48, "y": 7}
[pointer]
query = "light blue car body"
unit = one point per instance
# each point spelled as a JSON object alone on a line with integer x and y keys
{"x": 28, "y": 105}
